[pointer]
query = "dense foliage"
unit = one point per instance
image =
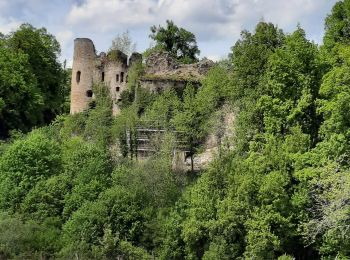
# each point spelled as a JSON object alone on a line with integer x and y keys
{"x": 280, "y": 190}
{"x": 177, "y": 41}
{"x": 33, "y": 84}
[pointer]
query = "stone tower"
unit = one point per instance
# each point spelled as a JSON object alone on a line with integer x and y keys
{"x": 110, "y": 69}
{"x": 82, "y": 74}
{"x": 115, "y": 69}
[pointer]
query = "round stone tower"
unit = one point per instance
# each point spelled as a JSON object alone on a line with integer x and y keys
{"x": 82, "y": 74}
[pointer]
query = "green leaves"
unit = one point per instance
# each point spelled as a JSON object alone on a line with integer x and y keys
{"x": 181, "y": 44}
{"x": 292, "y": 83}
{"x": 337, "y": 25}
{"x": 24, "y": 163}
{"x": 32, "y": 82}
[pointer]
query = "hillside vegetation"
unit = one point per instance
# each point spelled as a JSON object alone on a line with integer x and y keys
{"x": 73, "y": 189}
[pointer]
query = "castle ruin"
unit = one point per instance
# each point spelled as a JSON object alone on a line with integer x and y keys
{"x": 89, "y": 69}
{"x": 161, "y": 72}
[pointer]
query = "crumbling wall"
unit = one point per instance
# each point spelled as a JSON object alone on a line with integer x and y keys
{"x": 159, "y": 85}
{"x": 163, "y": 65}
{"x": 115, "y": 80}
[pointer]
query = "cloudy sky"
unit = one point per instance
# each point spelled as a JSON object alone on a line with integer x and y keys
{"x": 216, "y": 23}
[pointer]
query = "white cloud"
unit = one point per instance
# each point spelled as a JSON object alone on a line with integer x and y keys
{"x": 110, "y": 14}
{"x": 7, "y": 26}
{"x": 216, "y": 23}
{"x": 209, "y": 19}
{"x": 65, "y": 38}
{"x": 214, "y": 57}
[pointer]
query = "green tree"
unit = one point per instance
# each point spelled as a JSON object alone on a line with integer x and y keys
{"x": 42, "y": 50}
{"x": 30, "y": 240}
{"x": 26, "y": 162}
{"x": 337, "y": 25}
{"x": 250, "y": 54}
{"x": 291, "y": 88}
{"x": 187, "y": 120}
{"x": 249, "y": 59}
{"x": 21, "y": 100}
{"x": 180, "y": 43}
{"x": 333, "y": 105}
{"x": 46, "y": 199}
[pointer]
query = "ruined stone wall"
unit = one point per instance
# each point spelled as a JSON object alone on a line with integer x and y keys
{"x": 82, "y": 74}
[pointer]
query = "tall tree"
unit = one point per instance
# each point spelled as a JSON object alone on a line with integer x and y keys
{"x": 177, "y": 41}
{"x": 337, "y": 25}
{"x": 21, "y": 101}
{"x": 249, "y": 58}
{"x": 291, "y": 87}
{"x": 42, "y": 50}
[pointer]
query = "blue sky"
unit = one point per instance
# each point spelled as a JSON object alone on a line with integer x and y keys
{"x": 216, "y": 23}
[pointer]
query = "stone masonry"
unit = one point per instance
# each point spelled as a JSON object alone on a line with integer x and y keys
{"x": 90, "y": 68}
{"x": 161, "y": 72}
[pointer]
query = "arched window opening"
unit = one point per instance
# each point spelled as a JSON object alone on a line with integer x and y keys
{"x": 103, "y": 76}
{"x": 89, "y": 93}
{"x": 117, "y": 89}
{"x": 121, "y": 76}
{"x": 117, "y": 78}
{"x": 78, "y": 76}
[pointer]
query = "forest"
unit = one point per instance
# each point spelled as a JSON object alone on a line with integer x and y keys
{"x": 69, "y": 188}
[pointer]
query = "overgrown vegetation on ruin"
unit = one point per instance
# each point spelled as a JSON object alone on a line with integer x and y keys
{"x": 72, "y": 189}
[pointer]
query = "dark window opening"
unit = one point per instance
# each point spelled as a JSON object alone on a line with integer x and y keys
{"x": 117, "y": 89}
{"x": 89, "y": 93}
{"x": 103, "y": 76}
{"x": 119, "y": 99}
{"x": 121, "y": 76}
{"x": 127, "y": 78}
{"x": 78, "y": 76}
{"x": 117, "y": 78}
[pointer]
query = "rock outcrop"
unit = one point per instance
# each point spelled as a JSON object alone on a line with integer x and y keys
{"x": 161, "y": 65}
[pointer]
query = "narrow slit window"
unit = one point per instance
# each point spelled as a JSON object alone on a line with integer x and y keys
{"x": 103, "y": 76}
{"x": 78, "y": 76}
{"x": 117, "y": 78}
{"x": 121, "y": 76}
{"x": 89, "y": 93}
{"x": 117, "y": 89}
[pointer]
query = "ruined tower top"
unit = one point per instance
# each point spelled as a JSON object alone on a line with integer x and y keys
{"x": 89, "y": 68}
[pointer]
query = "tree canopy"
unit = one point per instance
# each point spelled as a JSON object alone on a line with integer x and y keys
{"x": 33, "y": 82}
{"x": 277, "y": 186}
{"x": 177, "y": 41}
